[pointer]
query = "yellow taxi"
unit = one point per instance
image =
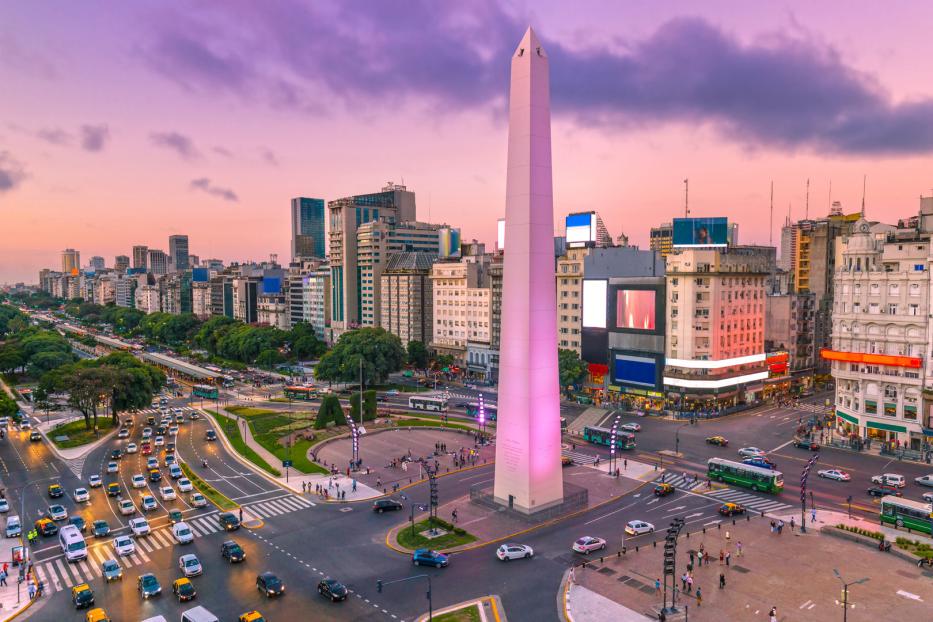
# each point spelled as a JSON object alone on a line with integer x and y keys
{"x": 96, "y": 615}
{"x": 55, "y": 491}
{"x": 183, "y": 589}
{"x": 731, "y": 509}
{"x": 718, "y": 440}
{"x": 566, "y": 461}
{"x": 663, "y": 489}
{"x": 46, "y": 527}
{"x": 82, "y": 596}
{"x": 251, "y": 616}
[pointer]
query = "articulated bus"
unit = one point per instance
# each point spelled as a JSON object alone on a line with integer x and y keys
{"x": 438, "y": 404}
{"x": 747, "y": 475}
{"x": 205, "y": 391}
{"x": 603, "y": 436}
{"x": 300, "y": 393}
{"x": 490, "y": 411}
{"x": 914, "y": 515}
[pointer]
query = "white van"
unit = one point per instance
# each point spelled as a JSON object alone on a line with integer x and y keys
{"x": 13, "y": 526}
{"x": 198, "y": 614}
{"x": 156, "y": 619}
{"x": 72, "y": 543}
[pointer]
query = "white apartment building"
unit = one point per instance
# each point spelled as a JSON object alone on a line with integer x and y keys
{"x": 462, "y": 310}
{"x": 201, "y": 299}
{"x": 148, "y": 298}
{"x": 570, "y": 298}
{"x": 273, "y": 310}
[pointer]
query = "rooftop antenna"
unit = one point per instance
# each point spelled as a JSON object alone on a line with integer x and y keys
{"x": 771, "y": 218}
{"x": 686, "y": 198}
{"x": 830, "y": 195}
{"x": 864, "y": 182}
{"x": 806, "y": 212}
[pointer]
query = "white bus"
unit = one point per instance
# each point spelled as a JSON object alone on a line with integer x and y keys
{"x": 438, "y": 404}
{"x": 72, "y": 543}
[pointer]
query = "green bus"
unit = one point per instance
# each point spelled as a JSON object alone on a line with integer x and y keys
{"x": 747, "y": 475}
{"x": 603, "y": 436}
{"x": 205, "y": 391}
{"x": 915, "y": 515}
{"x": 300, "y": 393}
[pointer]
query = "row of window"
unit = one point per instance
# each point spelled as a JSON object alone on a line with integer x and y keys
{"x": 874, "y": 289}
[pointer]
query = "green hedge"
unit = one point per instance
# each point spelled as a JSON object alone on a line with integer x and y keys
{"x": 877, "y": 535}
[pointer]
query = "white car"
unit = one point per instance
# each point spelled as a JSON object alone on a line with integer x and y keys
{"x": 24, "y": 425}
{"x": 4, "y": 506}
{"x": 95, "y": 481}
{"x": 184, "y": 485}
{"x": 198, "y": 500}
{"x": 890, "y": 479}
{"x": 175, "y": 471}
{"x": 751, "y": 452}
{"x": 152, "y": 463}
{"x": 81, "y": 494}
{"x": 124, "y": 545}
{"x": 514, "y": 551}
{"x": 927, "y": 496}
{"x": 149, "y": 503}
{"x": 631, "y": 427}
{"x": 132, "y": 448}
{"x": 637, "y": 527}
{"x": 189, "y": 565}
{"x": 173, "y": 430}
{"x": 139, "y": 481}
{"x": 588, "y": 543}
{"x": 836, "y": 474}
{"x": 194, "y": 416}
{"x": 127, "y": 507}
{"x": 123, "y": 433}
{"x": 167, "y": 492}
{"x": 159, "y": 441}
{"x": 113, "y": 467}
{"x": 926, "y": 480}
{"x": 147, "y": 433}
{"x": 182, "y": 533}
{"x": 140, "y": 526}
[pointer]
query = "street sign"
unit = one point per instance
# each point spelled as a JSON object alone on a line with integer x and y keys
{"x": 286, "y": 463}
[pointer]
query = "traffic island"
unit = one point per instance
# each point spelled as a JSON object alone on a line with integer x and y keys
{"x": 210, "y": 493}
{"x": 486, "y": 609}
{"x": 432, "y": 533}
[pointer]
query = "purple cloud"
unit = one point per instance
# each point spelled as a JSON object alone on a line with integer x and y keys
{"x": 269, "y": 157}
{"x": 12, "y": 172}
{"x": 219, "y": 150}
{"x": 94, "y": 137}
{"x": 204, "y": 184}
{"x": 54, "y": 136}
{"x": 179, "y": 143}
{"x": 783, "y": 91}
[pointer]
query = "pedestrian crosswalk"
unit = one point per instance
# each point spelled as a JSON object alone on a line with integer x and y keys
{"x": 814, "y": 408}
{"x": 156, "y": 411}
{"x": 278, "y": 506}
{"x": 754, "y": 502}
{"x": 681, "y": 481}
{"x": 579, "y": 457}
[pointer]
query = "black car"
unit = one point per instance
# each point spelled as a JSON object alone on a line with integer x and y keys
{"x": 232, "y": 552}
{"x": 269, "y": 584}
{"x": 334, "y": 590}
{"x": 882, "y": 491}
{"x": 82, "y": 596}
{"x": 210, "y": 435}
{"x": 229, "y": 521}
{"x": 34, "y": 436}
{"x": 386, "y": 505}
{"x": 116, "y": 454}
{"x": 78, "y": 522}
{"x": 805, "y": 443}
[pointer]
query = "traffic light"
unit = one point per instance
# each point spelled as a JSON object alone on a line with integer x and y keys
{"x": 379, "y": 586}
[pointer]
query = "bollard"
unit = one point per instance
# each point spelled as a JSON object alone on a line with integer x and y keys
{"x": 733, "y": 522}
{"x": 749, "y": 518}
{"x": 704, "y": 530}
{"x": 688, "y": 535}
{"x": 600, "y": 560}
{"x": 636, "y": 548}
{"x": 583, "y": 565}
{"x": 624, "y": 550}
{"x": 619, "y": 554}
{"x": 718, "y": 525}
{"x": 409, "y": 480}
{"x": 655, "y": 544}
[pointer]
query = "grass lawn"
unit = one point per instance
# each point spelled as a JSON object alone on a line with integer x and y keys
{"x": 232, "y": 431}
{"x": 920, "y": 549}
{"x": 449, "y": 540}
{"x": 401, "y": 388}
{"x": 212, "y": 494}
{"x": 78, "y": 434}
{"x": 467, "y": 614}
{"x": 267, "y": 431}
{"x": 249, "y": 412}
{"x": 405, "y": 423}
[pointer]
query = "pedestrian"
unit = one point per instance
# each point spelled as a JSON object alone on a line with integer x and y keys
{"x": 728, "y": 535}
{"x": 772, "y": 616}
{"x": 699, "y": 558}
{"x": 625, "y": 464}
{"x": 722, "y": 580}
{"x": 657, "y": 586}
{"x": 454, "y": 515}
{"x": 728, "y": 557}
{"x": 3, "y": 576}
{"x": 354, "y": 485}
{"x": 813, "y": 515}
{"x": 32, "y": 590}
{"x": 691, "y": 556}
{"x": 304, "y": 487}
{"x": 330, "y": 484}
{"x": 689, "y": 584}
{"x": 722, "y": 557}
{"x": 683, "y": 582}
{"x": 738, "y": 549}
{"x": 706, "y": 558}
{"x": 780, "y": 527}
{"x": 699, "y": 597}
{"x": 792, "y": 524}
{"x": 241, "y": 515}
{"x": 6, "y": 567}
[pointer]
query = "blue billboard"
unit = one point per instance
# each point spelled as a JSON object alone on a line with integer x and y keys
{"x": 200, "y": 275}
{"x": 701, "y": 231}
{"x": 580, "y": 229}
{"x": 271, "y": 285}
{"x": 640, "y": 371}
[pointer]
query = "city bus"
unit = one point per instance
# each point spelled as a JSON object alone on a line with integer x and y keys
{"x": 740, "y": 474}
{"x": 915, "y": 515}
{"x": 603, "y": 436}
{"x": 206, "y": 391}
{"x": 438, "y": 404}
{"x": 490, "y": 411}
{"x": 300, "y": 393}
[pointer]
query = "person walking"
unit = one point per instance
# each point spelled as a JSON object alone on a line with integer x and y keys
{"x": 3, "y": 576}
{"x": 722, "y": 581}
{"x": 657, "y": 586}
{"x": 772, "y": 616}
{"x": 689, "y": 584}
{"x": 699, "y": 597}
{"x": 683, "y": 582}
{"x": 722, "y": 557}
{"x": 738, "y": 549}
{"x": 792, "y": 524}
{"x": 699, "y": 558}
{"x": 690, "y": 553}
{"x": 728, "y": 557}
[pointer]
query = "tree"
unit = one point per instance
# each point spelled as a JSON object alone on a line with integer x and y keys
{"x": 134, "y": 383}
{"x": 571, "y": 368}
{"x": 11, "y": 358}
{"x": 329, "y": 411}
{"x": 44, "y": 362}
{"x": 8, "y": 407}
{"x": 417, "y": 355}
{"x": 304, "y": 343}
{"x": 87, "y": 388}
{"x": 369, "y": 406}
{"x": 381, "y": 353}
{"x": 269, "y": 358}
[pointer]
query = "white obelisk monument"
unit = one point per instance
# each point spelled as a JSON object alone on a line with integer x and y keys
{"x": 528, "y": 471}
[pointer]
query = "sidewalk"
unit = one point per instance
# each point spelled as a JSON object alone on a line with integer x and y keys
{"x": 14, "y": 597}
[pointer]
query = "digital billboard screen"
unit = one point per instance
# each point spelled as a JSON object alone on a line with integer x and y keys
{"x": 635, "y": 309}
{"x": 700, "y": 231}
{"x": 449, "y": 242}
{"x": 635, "y": 370}
{"x": 200, "y": 275}
{"x": 500, "y": 234}
{"x": 594, "y": 303}
{"x": 581, "y": 228}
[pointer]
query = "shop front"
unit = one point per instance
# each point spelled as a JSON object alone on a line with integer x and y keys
{"x": 637, "y": 400}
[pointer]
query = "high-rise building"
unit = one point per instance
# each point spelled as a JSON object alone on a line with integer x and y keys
{"x": 97, "y": 263}
{"x": 201, "y": 299}
{"x": 461, "y": 308}
{"x": 158, "y": 262}
{"x": 307, "y": 228}
{"x": 71, "y": 261}
{"x": 394, "y": 203}
{"x": 222, "y": 296}
{"x": 178, "y": 252}
{"x": 121, "y": 263}
{"x": 194, "y": 261}
{"x": 246, "y": 298}
{"x": 148, "y": 298}
{"x": 141, "y": 257}
{"x": 661, "y": 239}
{"x": 125, "y": 295}
{"x": 407, "y": 299}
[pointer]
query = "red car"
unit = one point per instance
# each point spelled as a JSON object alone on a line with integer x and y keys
{"x": 146, "y": 449}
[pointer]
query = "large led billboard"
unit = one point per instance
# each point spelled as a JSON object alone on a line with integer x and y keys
{"x": 635, "y": 309}
{"x": 594, "y": 303}
{"x": 580, "y": 229}
{"x": 449, "y": 239}
{"x": 635, "y": 370}
{"x": 500, "y": 234}
{"x": 700, "y": 231}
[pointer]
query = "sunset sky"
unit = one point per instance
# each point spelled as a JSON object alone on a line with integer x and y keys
{"x": 122, "y": 123}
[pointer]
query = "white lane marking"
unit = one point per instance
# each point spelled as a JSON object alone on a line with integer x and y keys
{"x": 909, "y": 595}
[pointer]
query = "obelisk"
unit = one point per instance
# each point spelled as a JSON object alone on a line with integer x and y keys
{"x": 528, "y": 471}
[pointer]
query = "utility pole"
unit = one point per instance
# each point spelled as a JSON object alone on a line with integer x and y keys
{"x": 845, "y": 593}
{"x": 771, "y": 218}
{"x": 686, "y": 198}
{"x": 806, "y": 209}
{"x": 864, "y": 183}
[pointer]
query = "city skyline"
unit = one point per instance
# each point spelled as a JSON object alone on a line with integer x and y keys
{"x": 210, "y": 148}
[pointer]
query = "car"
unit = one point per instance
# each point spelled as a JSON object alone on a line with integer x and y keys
{"x": 124, "y": 545}
{"x": 46, "y": 527}
{"x": 184, "y": 484}
{"x": 113, "y": 489}
{"x": 139, "y": 526}
{"x": 638, "y": 527}
{"x": 232, "y": 552}
{"x": 194, "y": 416}
{"x": 170, "y": 448}
{"x": 155, "y": 475}
{"x": 78, "y": 522}
{"x": 82, "y": 596}
{"x": 228, "y": 521}
{"x": 81, "y": 495}
{"x": 132, "y": 448}
{"x": 147, "y": 432}
{"x": 890, "y": 479}
{"x": 189, "y": 565}
{"x": 174, "y": 516}
{"x": 138, "y": 481}
{"x": 836, "y": 474}
{"x": 514, "y": 551}
{"x": 586, "y": 544}
{"x": 927, "y": 496}
{"x": 717, "y": 440}
{"x": 882, "y": 491}
{"x": 806, "y": 443}
{"x": 127, "y": 507}
{"x": 123, "y": 433}
{"x": 269, "y": 584}
{"x": 152, "y": 463}
{"x": 183, "y": 588}
{"x": 56, "y": 491}
{"x": 386, "y": 505}
{"x": 210, "y": 435}
{"x": 111, "y": 570}
{"x": 128, "y": 422}
{"x": 113, "y": 467}
{"x": 731, "y": 509}
{"x": 251, "y": 616}
{"x": 57, "y": 512}
{"x": 751, "y": 452}
{"x": 566, "y": 461}
{"x": 4, "y": 506}
{"x": 760, "y": 461}
{"x": 148, "y": 503}
{"x": 95, "y": 481}
{"x": 159, "y": 441}
{"x": 198, "y": 500}
{"x": 173, "y": 430}
{"x": 145, "y": 449}
{"x": 170, "y": 461}
{"x": 96, "y": 615}
{"x": 24, "y": 425}
{"x": 13, "y": 527}
{"x": 100, "y": 528}
{"x": 180, "y": 418}
{"x": 631, "y": 426}
{"x": 34, "y": 436}
{"x": 663, "y": 489}
{"x": 182, "y": 533}
{"x": 116, "y": 454}
{"x": 332, "y": 589}
{"x": 148, "y": 585}
{"x": 427, "y": 557}
{"x": 167, "y": 493}
{"x": 926, "y": 480}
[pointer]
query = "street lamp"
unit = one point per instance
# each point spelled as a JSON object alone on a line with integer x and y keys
{"x": 845, "y": 592}
{"x": 380, "y": 584}
{"x": 677, "y": 437}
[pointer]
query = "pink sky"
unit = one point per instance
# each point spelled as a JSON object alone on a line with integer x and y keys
{"x": 282, "y": 117}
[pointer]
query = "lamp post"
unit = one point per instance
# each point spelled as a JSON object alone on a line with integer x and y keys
{"x": 481, "y": 418}
{"x": 845, "y": 592}
{"x": 677, "y": 437}
{"x": 380, "y": 584}
{"x": 612, "y": 442}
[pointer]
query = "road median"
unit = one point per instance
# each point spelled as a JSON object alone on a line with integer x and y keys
{"x": 212, "y": 494}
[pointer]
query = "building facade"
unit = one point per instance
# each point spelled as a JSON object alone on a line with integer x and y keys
{"x": 178, "y": 252}
{"x": 141, "y": 257}
{"x": 97, "y": 263}
{"x": 158, "y": 262}
{"x": 407, "y": 298}
{"x": 307, "y": 216}
{"x": 71, "y": 260}
{"x": 460, "y": 308}
{"x": 121, "y": 263}
{"x": 661, "y": 239}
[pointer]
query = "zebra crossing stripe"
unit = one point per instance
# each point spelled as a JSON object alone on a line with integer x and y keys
{"x": 41, "y": 574}
{"x": 142, "y": 554}
{"x": 65, "y": 577}
{"x": 289, "y": 503}
{"x": 282, "y": 509}
{"x": 258, "y": 510}
{"x": 161, "y": 538}
{"x": 195, "y": 529}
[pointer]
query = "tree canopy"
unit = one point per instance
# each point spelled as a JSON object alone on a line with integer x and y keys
{"x": 571, "y": 369}
{"x": 381, "y": 353}
{"x": 417, "y": 355}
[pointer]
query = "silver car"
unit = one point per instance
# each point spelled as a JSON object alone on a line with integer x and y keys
{"x": 926, "y": 480}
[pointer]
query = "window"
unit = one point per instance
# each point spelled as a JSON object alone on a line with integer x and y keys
{"x": 914, "y": 290}
{"x": 871, "y": 407}
{"x": 910, "y": 412}
{"x": 890, "y": 410}
{"x": 892, "y": 309}
{"x": 913, "y": 309}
